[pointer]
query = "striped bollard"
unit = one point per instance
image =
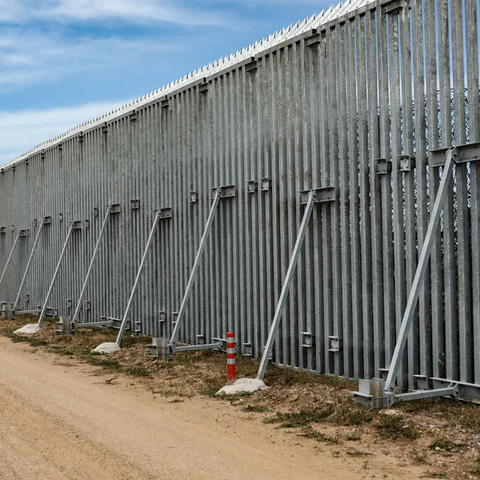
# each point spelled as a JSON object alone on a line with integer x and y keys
{"x": 230, "y": 358}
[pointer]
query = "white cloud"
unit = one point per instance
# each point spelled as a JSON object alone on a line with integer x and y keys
{"x": 33, "y": 57}
{"x": 23, "y": 130}
{"x": 143, "y": 11}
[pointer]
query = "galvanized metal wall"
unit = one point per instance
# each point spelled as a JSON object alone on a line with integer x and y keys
{"x": 317, "y": 110}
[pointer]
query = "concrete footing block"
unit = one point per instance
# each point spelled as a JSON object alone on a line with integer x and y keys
{"x": 107, "y": 347}
{"x": 30, "y": 329}
{"x": 242, "y": 385}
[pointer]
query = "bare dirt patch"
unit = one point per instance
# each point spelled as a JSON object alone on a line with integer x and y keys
{"x": 428, "y": 439}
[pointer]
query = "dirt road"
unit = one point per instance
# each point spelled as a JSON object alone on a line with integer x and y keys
{"x": 61, "y": 420}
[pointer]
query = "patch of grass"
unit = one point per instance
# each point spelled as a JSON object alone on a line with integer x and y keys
{"x": 138, "y": 371}
{"x": 309, "y": 432}
{"x": 106, "y": 363}
{"x": 131, "y": 339}
{"x": 256, "y": 408}
{"x": 33, "y": 341}
{"x": 62, "y": 350}
{"x": 176, "y": 400}
{"x": 209, "y": 391}
{"x": 435, "y": 475}
{"x": 357, "y": 453}
{"x": 418, "y": 456}
{"x": 353, "y": 437}
{"x": 442, "y": 444}
{"x": 393, "y": 427}
{"x": 301, "y": 418}
{"x": 349, "y": 414}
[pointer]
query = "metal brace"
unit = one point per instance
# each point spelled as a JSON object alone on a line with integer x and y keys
{"x": 165, "y": 213}
{"x": 227, "y": 191}
{"x": 307, "y": 340}
{"x": 383, "y": 166}
{"x": 314, "y": 39}
{"x": 247, "y": 350}
{"x": 251, "y": 66}
{"x": 406, "y": 163}
{"x": 266, "y": 184}
{"x": 24, "y": 233}
{"x": 204, "y": 86}
{"x": 325, "y": 194}
{"x": 469, "y": 152}
{"x": 251, "y": 186}
{"x": 335, "y": 344}
{"x": 115, "y": 208}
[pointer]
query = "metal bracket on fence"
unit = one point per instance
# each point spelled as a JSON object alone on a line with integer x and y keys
{"x": 90, "y": 266}
{"x": 112, "y": 322}
{"x": 9, "y": 257}
{"x": 30, "y": 257}
{"x": 115, "y": 208}
{"x": 228, "y": 191}
{"x": 335, "y": 344}
{"x": 217, "y": 194}
{"x": 307, "y": 340}
{"x": 162, "y": 214}
{"x": 383, "y": 165}
{"x": 247, "y": 350}
{"x": 326, "y": 194}
{"x": 469, "y": 152}
{"x": 25, "y": 232}
{"x": 265, "y": 184}
{"x": 310, "y": 197}
{"x": 52, "y": 283}
{"x": 406, "y": 163}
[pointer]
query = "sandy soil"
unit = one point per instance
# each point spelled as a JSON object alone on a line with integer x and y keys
{"x": 62, "y": 419}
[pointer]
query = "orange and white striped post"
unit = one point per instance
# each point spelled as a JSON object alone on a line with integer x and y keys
{"x": 230, "y": 358}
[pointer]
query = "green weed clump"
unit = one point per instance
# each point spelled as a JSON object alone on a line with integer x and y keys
{"x": 301, "y": 418}
{"x": 393, "y": 427}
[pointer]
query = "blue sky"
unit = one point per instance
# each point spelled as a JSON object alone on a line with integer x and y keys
{"x": 65, "y": 61}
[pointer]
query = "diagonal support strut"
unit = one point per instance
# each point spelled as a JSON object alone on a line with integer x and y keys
{"x": 421, "y": 269}
{"x": 52, "y": 283}
{"x": 9, "y": 257}
{"x": 313, "y": 196}
{"x": 162, "y": 213}
{"x": 90, "y": 267}
{"x": 219, "y": 193}
{"x": 17, "y": 298}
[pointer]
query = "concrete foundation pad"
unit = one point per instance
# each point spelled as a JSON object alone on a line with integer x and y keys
{"x": 242, "y": 385}
{"x": 107, "y": 347}
{"x": 30, "y": 329}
